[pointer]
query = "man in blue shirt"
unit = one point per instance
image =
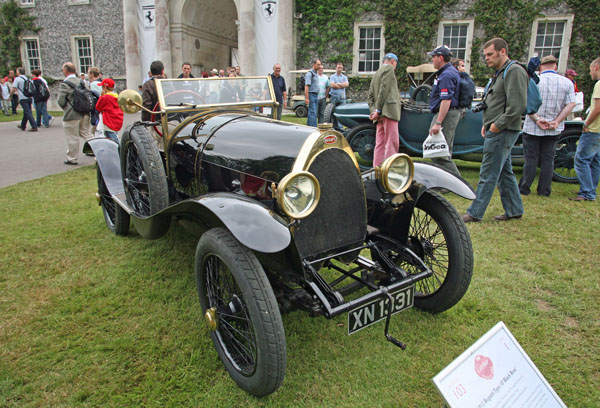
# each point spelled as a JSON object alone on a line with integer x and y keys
{"x": 311, "y": 92}
{"x": 279, "y": 88}
{"x": 338, "y": 83}
{"x": 443, "y": 101}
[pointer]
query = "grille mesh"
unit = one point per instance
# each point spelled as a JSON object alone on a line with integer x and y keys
{"x": 340, "y": 219}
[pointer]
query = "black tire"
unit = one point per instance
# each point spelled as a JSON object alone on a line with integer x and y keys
{"x": 564, "y": 157}
{"x": 438, "y": 235}
{"x": 328, "y": 113}
{"x": 362, "y": 141}
{"x": 301, "y": 111}
{"x": 144, "y": 175}
{"x": 116, "y": 218}
{"x": 421, "y": 93}
{"x": 249, "y": 335}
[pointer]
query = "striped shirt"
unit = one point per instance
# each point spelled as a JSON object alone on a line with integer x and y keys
{"x": 556, "y": 91}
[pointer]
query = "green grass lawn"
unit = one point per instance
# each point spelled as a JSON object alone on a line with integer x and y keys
{"x": 19, "y": 115}
{"x": 91, "y": 319}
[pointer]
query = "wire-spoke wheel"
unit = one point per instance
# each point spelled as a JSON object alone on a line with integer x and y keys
{"x": 438, "y": 235}
{"x": 144, "y": 176}
{"x": 241, "y": 312}
{"x": 564, "y": 157}
{"x": 362, "y": 141}
{"x": 116, "y": 218}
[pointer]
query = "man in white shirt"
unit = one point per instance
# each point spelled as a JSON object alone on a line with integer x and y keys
{"x": 541, "y": 130}
{"x": 24, "y": 101}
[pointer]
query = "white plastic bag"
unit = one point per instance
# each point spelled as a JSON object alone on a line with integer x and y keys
{"x": 578, "y": 102}
{"x": 99, "y": 127}
{"x": 435, "y": 146}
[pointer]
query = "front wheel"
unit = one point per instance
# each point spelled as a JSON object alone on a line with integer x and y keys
{"x": 362, "y": 142}
{"x": 301, "y": 111}
{"x": 438, "y": 235}
{"x": 241, "y": 312}
{"x": 564, "y": 157}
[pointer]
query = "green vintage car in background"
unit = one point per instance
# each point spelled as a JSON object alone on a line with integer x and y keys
{"x": 353, "y": 120}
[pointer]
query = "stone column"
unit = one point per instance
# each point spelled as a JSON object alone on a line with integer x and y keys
{"x": 285, "y": 46}
{"x": 163, "y": 35}
{"x": 246, "y": 41}
{"x": 133, "y": 69}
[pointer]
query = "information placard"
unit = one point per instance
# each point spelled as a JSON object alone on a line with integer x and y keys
{"x": 495, "y": 372}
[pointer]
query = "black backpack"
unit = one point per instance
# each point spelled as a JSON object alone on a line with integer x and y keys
{"x": 41, "y": 92}
{"x": 466, "y": 90}
{"x": 28, "y": 87}
{"x": 84, "y": 100}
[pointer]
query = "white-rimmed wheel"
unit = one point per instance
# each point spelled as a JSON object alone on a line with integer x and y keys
{"x": 241, "y": 312}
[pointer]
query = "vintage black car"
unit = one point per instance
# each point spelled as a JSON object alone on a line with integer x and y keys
{"x": 288, "y": 220}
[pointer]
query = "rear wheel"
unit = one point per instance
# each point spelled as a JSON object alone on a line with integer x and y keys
{"x": 116, "y": 218}
{"x": 241, "y": 312}
{"x": 564, "y": 157}
{"x": 144, "y": 176}
{"x": 438, "y": 235}
{"x": 362, "y": 141}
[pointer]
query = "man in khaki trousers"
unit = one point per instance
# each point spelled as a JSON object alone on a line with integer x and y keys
{"x": 75, "y": 124}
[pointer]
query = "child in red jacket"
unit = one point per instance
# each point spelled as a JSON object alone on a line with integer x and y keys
{"x": 112, "y": 115}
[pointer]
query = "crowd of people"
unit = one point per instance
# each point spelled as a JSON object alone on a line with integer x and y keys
{"x": 505, "y": 102}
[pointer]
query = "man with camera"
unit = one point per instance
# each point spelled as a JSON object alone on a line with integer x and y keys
{"x": 503, "y": 105}
{"x": 443, "y": 102}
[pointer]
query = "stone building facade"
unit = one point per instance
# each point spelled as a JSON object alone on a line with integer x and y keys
{"x": 218, "y": 33}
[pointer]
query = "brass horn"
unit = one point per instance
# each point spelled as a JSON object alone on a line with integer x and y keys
{"x": 130, "y": 101}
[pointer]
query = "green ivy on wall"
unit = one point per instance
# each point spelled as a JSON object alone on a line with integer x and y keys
{"x": 326, "y": 30}
{"x": 14, "y": 22}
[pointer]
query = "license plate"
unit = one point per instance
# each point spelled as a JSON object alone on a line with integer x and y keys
{"x": 376, "y": 310}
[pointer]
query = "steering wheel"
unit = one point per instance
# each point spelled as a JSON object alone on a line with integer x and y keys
{"x": 174, "y": 115}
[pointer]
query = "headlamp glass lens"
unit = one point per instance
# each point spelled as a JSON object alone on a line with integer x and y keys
{"x": 299, "y": 194}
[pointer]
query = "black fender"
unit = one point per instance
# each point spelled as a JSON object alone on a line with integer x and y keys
{"x": 107, "y": 157}
{"x": 251, "y": 222}
{"x": 431, "y": 176}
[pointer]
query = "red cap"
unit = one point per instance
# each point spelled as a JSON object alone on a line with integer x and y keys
{"x": 107, "y": 82}
{"x": 571, "y": 72}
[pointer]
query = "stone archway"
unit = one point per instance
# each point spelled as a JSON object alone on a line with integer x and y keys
{"x": 203, "y": 33}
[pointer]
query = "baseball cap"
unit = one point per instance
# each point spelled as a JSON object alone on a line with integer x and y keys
{"x": 107, "y": 82}
{"x": 549, "y": 59}
{"x": 390, "y": 55}
{"x": 442, "y": 50}
{"x": 571, "y": 72}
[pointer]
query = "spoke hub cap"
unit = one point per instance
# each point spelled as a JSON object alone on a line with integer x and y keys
{"x": 210, "y": 318}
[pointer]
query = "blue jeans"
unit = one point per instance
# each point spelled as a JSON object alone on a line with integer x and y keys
{"x": 42, "y": 113}
{"x": 496, "y": 169}
{"x": 313, "y": 105}
{"x": 587, "y": 164}
{"x": 27, "y": 114}
{"x": 111, "y": 135}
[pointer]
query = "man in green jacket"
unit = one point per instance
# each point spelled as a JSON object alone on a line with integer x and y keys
{"x": 384, "y": 104}
{"x": 506, "y": 100}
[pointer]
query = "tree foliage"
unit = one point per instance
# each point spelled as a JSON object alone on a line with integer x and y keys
{"x": 14, "y": 22}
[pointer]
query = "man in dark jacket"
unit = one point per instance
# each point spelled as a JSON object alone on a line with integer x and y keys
{"x": 506, "y": 100}
{"x": 149, "y": 95}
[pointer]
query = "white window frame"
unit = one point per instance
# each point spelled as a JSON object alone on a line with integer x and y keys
{"x": 77, "y": 2}
{"x": 26, "y": 3}
{"x": 470, "y": 25}
{"x": 566, "y": 40}
{"x": 75, "y": 51}
{"x": 366, "y": 24}
{"x": 25, "y": 56}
